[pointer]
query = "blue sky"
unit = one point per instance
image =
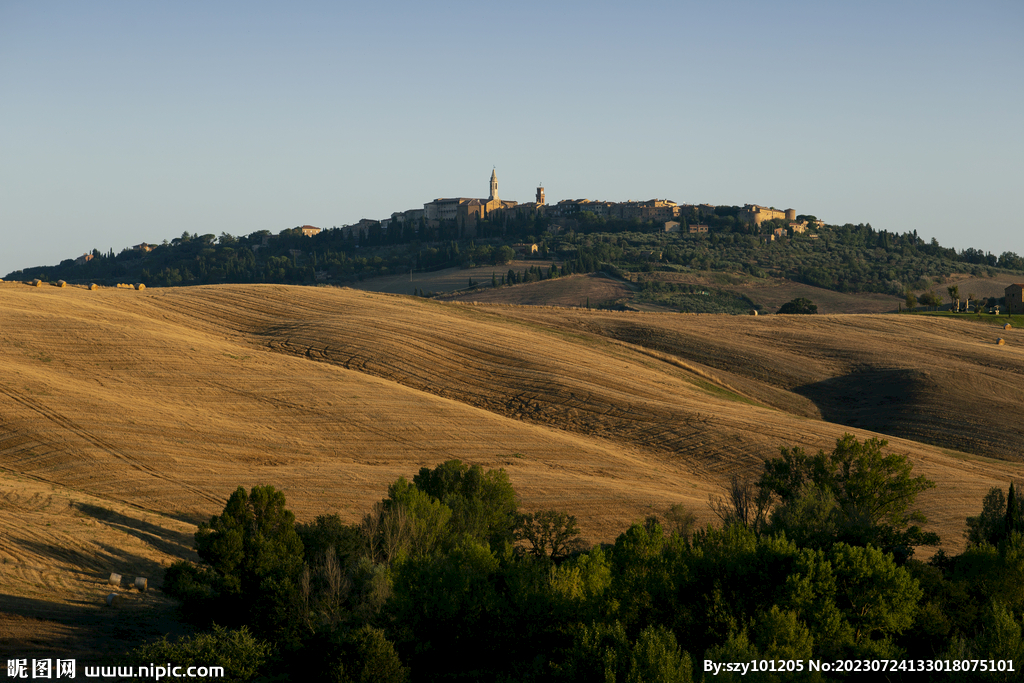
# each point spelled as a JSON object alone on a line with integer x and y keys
{"x": 130, "y": 122}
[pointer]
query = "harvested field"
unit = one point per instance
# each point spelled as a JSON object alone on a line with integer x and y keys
{"x": 772, "y": 293}
{"x": 445, "y": 280}
{"x": 978, "y": 286}
{"x": 573, "y": 291}
{"x": 126, "y": 417}
{"x": 604, "y": 290}
{"x": 59, "y": 547}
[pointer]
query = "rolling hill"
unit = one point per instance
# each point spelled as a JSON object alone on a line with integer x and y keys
{"x": 127, "y": 417}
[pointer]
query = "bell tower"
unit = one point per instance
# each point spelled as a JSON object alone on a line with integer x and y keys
{"x": 494, "y": 185}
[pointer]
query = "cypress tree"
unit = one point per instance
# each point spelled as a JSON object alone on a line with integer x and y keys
{"x": 1011, "y": 510}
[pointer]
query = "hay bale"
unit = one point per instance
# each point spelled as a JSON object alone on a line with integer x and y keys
{"x": 753, "y": 311}
{"x": 141, "y": 583}
{"x": 113, "y": 600}
{"x": 1000, "y": 341}
{"x": 61, "y": 283}
{"x": 1007, "y": 326}
{"x": 139, "y": 286}
{"x": 114, "y": 580}
{"x": 93, "y": 285}
{"x": 36, "y": 283}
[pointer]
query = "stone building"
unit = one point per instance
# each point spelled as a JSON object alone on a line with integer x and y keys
{"x": 1015, "y": 298}
{"x": 467, "y": 211}
{"x": 753, "y": 213}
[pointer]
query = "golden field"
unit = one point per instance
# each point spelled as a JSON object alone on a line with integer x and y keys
{"x": 126, "y": 417}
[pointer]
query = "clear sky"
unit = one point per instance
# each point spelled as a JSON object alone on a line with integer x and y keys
{"x": 124, "y": 122}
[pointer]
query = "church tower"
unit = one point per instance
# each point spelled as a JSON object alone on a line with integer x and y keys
{"x": 494, "y": 186}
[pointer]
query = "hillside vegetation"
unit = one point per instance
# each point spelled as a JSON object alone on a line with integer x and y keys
{"x": 128, "y": 417}
{"x": 673, "y": 271}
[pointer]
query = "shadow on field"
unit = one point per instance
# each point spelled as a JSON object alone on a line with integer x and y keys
{"x": 882, "y": 400}
{"x": 165, "y": 540}
{"x": 93, "y": 565}
{"x": 91, "y": 633}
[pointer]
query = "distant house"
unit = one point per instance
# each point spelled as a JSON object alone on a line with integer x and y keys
{"x": 143, "y": 247}
{"x": 309, "y": 230}
{"x": 671, "y": 226}
{"x": 83, "y": 259}
{"x": 1015, "y": 298}
{"x": 698, "y": 229}
{"x": 526, "y": 249}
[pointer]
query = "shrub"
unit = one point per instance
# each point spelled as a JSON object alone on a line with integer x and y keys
{"x": 240, "y": 653}
{"x": 799, "y": 306}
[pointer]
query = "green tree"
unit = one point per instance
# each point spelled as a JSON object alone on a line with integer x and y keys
{"x": 369, "y": 657}
{"x": 600, "y": 652}
{"x": 425, "y": 517}
{"x": 1013, "y": 511}
{"x": 657, "y": 657}
{"x": 799, "y": 306}
{"x": 779, "y": 635}
{"x": 873, "y": 493}
{"x": 550, "y": 533}
{"x": 877, "y": 598}
{"x": 990, "y": 525}
{"x": 446, "y": 605}
{"x": 255, "y": 556}
{"x": 930, "y": 298}
{"x": 1001, "y": 638}
{"x": 680, "y": 520}
{"x": 504, "y": 255}
{"x": 252, "y": 538}
{"x": 240, "y": 653}
{"x": 483, "y": 504}
{"x": 1000, "y": 514}
{"x": 911, "y": 300}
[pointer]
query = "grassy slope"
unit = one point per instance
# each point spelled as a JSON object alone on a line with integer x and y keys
{"x": 129, "y": 416}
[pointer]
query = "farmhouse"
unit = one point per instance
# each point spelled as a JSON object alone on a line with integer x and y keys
{"x": 1015, "y": 298}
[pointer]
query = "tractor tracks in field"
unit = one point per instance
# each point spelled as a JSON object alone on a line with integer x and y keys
{"x": 102, "y": 444}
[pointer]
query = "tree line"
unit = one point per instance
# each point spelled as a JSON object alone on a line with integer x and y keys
{"x": 847, "y": 258}
{"x": 447, "y": 579}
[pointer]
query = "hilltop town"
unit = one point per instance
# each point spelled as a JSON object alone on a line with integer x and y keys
{"x": 669, "y": 255}
{"x": 467, "y": 213}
